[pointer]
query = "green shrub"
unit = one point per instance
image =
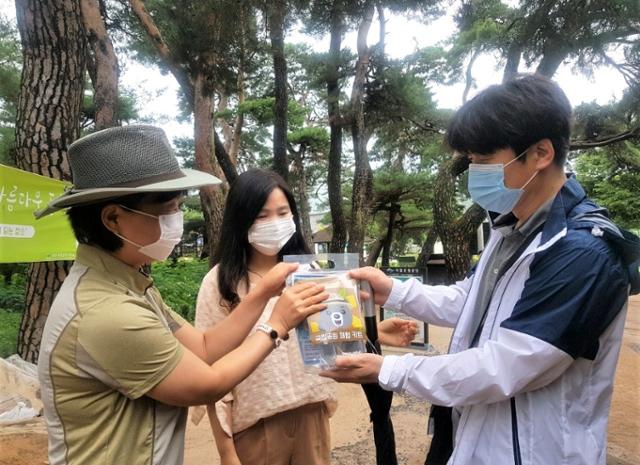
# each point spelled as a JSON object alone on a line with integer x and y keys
{"x": 12, "y": 294}
{"x": 179, "y": 283}
{"x": 11, "y": 305}
{"x": 9, "y": 325}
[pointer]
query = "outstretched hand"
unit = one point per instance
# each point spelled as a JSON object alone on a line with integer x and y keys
{"x": 397, "y": 332}
{"x": 273, "y": 282}
{"x": 295, "y": 304}
{"x": 359, "y": 368}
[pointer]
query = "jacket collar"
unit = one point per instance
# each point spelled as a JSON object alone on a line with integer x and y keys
{"x": 570, "y": 196}
{"x": 113, "y": 269}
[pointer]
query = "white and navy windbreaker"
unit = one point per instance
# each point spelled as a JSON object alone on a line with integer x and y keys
{"x": 537, "y": 388}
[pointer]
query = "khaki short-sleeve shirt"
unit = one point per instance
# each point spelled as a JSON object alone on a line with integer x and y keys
{"x": 107, "y": 341}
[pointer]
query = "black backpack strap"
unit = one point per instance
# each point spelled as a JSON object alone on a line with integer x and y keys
{"x": 441, "y": 446}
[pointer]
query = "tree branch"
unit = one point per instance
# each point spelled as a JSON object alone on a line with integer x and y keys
{"x": 630, "y": 74}
{"x": 165, "y": 53}
{"x": 583, "y": 145}
{"x": 427, "y": 126}
{"x": 184, "y": 80}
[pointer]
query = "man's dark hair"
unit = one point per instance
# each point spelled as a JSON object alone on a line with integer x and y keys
{"x": 516, "y": 115}
{"x": 86, "y": 220}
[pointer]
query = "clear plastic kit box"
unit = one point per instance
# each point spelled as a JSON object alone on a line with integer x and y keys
{"x": 340, "y": 328}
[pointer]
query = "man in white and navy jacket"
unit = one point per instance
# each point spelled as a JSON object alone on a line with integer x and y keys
{"x": 539, "y": 321}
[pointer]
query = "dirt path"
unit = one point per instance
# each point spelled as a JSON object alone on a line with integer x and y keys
{"x": 624, "y": 422}
{"x": 351, "y": 434}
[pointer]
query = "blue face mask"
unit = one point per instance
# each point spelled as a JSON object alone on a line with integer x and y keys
{"x": 487, "y": 189}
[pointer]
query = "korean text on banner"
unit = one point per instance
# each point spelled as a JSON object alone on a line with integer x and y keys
{"x": 22, "y": 237}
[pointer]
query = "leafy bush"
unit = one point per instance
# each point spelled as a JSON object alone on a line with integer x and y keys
{"x": 179, "y": 283}
{"x": 11, "y": 305}
{"x": 12, "y": 294}
{"x": 9, "y": 325}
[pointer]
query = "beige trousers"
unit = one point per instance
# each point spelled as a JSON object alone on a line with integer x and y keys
{"x": 295, "y": 437}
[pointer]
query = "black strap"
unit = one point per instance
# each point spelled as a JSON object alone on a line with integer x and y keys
{"x": 441, "y": 446}
{"x": 517, "y": 456}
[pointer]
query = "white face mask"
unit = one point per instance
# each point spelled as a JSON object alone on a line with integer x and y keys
{"x": 171, "y": 229}
{"x": 271, "y": 236}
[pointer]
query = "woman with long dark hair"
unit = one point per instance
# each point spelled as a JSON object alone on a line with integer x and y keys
{"x": 279, "y": 414}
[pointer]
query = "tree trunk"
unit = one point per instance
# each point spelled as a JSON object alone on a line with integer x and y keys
{"x": 455, "y": 233}
{"x": 212, "y": 198}
{"x": 427, "y": 248}
{"x": 105, "y": 78}
{"x": 374, "y": 252}
{"x": 277, "y": 12}
{"x": 553, "y": 56}
{"x": 388, "y": 238}
{"x": 232, "y": 134}
{"x": 47, "y": 121}
{"x": 514, "y": 54}
{"x": 300, "y": 188}
{"x": 231, "y": 144}
{"x": 468, "y": 74}
{"x": 334, "y": 175}
{"x": 234, "y": 149}
{"x": 227, "y": 129}
{"x": 382, "y": 32}
{"x": 456, "y": 253}
{"x": 363, "y": 177}
{"x": 43, "y": 283}
{"x": 222, "y": 157}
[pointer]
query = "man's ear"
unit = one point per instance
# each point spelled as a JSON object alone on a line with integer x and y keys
{"x": 109, "y": 216}
{"x": 543, "y": 154}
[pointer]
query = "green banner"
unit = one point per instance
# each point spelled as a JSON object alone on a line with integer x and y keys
{"x": 22, "y": 237}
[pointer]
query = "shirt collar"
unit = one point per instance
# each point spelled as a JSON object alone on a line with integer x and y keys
{"x": 536, "y": 220}
{"x": 499, "y": 221}
{"x": 116, "y": 270}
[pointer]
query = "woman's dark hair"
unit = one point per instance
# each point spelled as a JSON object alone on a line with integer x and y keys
{"x": 515, "y": 114}
{"x": 86, "y": 220}
{"x": 247, "y": 196}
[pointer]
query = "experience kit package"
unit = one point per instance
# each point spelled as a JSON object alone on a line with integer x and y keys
{"x": 340, "y": 328}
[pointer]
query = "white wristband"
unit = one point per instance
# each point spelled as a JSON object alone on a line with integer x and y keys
{"x": 272, "y": 333}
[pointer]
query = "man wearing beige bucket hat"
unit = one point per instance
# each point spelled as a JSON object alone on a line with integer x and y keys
{"x": 117, "y": 366}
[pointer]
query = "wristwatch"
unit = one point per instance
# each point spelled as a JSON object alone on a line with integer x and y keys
{"x": 273, "y": 334}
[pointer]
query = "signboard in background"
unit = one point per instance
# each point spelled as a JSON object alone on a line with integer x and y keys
{"x": 22, "y": 237}
{"x": 403, "y": 274}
